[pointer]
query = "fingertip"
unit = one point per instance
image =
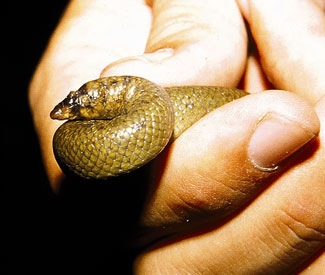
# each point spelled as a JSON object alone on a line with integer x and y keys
{"x": 289, "y": 105}
{"x": 282, "y": 122}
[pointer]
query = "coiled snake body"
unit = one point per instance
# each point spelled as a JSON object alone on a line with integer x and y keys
{"x": 117, "y": 124}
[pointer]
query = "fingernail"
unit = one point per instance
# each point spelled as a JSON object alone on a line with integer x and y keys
{"x": 276, "y": 138}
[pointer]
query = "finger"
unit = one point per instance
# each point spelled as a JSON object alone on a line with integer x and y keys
{"x": 190, "y": 43}
{"x": 86, "y": 39}
{"x": 223, "y": 161}
{"x": 277, "y": 234}
{"x": 254, "y": 78}
{"x": 290, "y": 37}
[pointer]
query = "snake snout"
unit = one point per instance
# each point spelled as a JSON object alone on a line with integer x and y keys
{"x": 58, "y": 113}
{"x": 64, "y": 111}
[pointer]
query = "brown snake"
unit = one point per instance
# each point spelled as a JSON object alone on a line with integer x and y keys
{"x": 117, "y": 124}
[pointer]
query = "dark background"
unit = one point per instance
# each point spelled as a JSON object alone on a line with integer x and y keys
{"x": 85, "y": 229}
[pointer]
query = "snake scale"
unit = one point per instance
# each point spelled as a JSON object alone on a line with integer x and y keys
{"x": 117, "y": 124}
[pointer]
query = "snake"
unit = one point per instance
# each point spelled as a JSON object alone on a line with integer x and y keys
{"x": 117, "y": 124}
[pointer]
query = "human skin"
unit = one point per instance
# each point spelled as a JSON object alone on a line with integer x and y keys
{"x": 188, "y": 43}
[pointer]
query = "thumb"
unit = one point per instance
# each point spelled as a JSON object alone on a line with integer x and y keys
{"x": 225, "y": 159}
{"x": 190, "y": 43}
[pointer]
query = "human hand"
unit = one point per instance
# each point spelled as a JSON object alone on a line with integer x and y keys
{"x": 271, "y": 234}
{"x": 213, "y": 54}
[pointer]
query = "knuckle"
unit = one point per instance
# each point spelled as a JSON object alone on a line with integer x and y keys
{"x": 290, "y": 239}
{"x": 302, "y": 232}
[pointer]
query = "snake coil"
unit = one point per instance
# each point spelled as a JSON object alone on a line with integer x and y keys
{"x": 117, "y": 124}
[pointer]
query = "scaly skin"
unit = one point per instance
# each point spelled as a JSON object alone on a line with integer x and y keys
{"x": 118, "y": 124}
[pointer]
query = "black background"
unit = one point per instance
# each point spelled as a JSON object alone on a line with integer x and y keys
{"x": 85, "y": 229}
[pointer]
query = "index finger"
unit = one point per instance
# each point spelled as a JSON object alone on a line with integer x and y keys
{"x": 290, "y": 37}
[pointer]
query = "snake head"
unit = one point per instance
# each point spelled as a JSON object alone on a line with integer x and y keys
{"x": 69, "y": 108}
{"x": 97, "y": 99}
{"x": 80, "y": 104}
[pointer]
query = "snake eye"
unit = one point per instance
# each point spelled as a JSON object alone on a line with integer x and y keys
{"x": 83, "y": 100}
